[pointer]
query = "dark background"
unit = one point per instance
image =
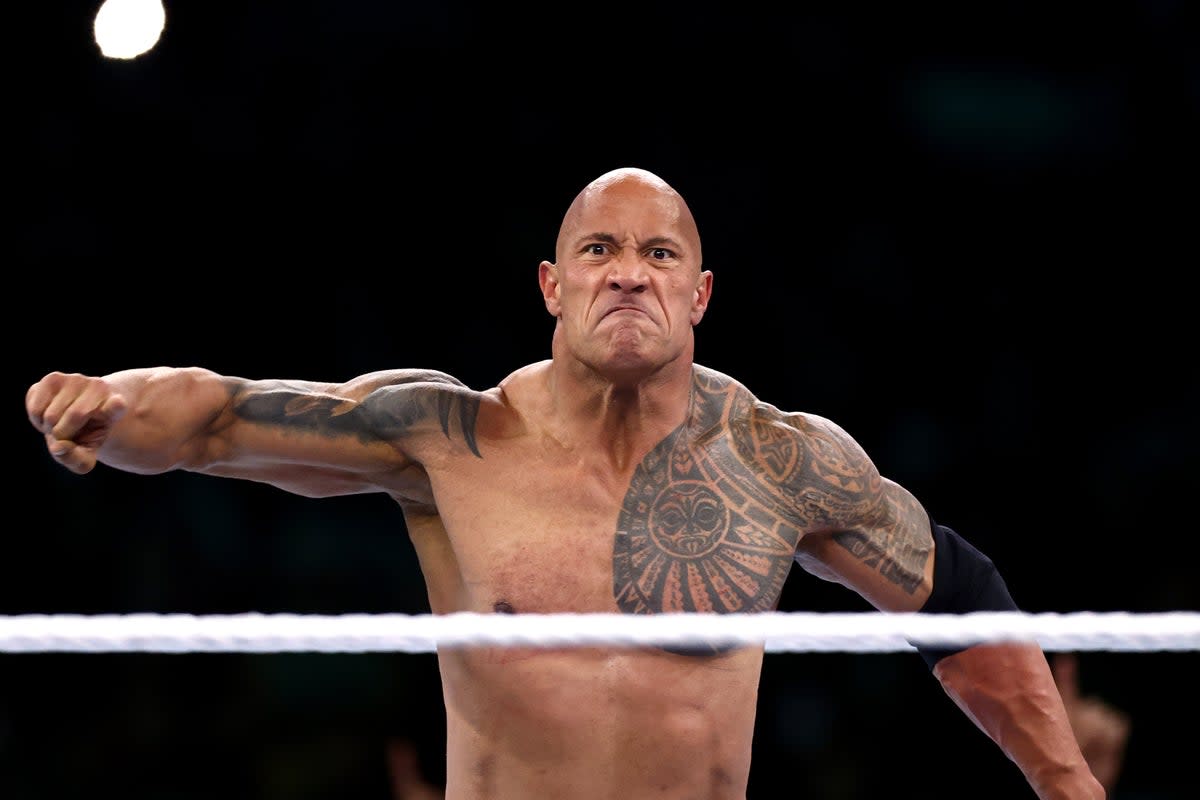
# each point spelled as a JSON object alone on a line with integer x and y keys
{"x": 965, "y": 233}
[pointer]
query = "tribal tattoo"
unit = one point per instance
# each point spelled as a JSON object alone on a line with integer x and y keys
{"x": 700, "y": 528}
{"x": 407, "y": 404}
{"x": 713, "y": 514}
{"x": 900, "y": 554}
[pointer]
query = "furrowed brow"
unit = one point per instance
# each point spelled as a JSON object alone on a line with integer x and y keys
{"x": 653, "y": 241}
{"x": 598, "y": 236}
{"x": 662, "y": 241}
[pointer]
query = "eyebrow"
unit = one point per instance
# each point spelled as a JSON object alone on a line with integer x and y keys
{"x": 653, "y": 241}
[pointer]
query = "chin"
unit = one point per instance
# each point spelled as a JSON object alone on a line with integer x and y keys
{"x": 627, "y": 358}
{"x": 630, "y": 366}
{"x": 619, "y": 365}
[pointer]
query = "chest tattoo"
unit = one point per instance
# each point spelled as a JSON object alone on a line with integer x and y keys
{"x": 704, "y": 525}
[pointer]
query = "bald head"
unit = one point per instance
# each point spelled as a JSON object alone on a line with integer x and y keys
{"x": 635, "y": 189}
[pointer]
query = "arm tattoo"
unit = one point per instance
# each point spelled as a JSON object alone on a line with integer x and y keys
{"x": 390, "y": 412}
{"x": 841, "y": 486}
{"x": 463, "y": 406}
{"x": 901, "y": 553}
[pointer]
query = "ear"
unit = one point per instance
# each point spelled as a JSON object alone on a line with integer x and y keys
{"x": 701, "y": 296}
{"x": 548, "y": 280}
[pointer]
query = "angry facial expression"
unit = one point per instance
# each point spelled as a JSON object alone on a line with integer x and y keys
{"x": 627, "y": 286}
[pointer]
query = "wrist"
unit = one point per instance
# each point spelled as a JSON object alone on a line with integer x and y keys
{"x": 1069, "y": 784}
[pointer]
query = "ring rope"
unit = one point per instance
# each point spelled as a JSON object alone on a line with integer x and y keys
{"x": 858, "y": 632}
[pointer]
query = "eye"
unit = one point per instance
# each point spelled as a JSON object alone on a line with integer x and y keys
{"x": 596, "y": 249}
{"x": 661, "y": 253}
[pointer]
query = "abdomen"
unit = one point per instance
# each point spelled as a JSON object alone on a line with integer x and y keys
{"x": 588, "y": 724}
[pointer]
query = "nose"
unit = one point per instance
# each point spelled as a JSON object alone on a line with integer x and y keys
{"x": 627, "y": 274}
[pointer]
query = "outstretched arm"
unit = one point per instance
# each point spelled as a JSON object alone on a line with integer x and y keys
{"x": 878, "y": 540}
{"x": 311, "y": 438}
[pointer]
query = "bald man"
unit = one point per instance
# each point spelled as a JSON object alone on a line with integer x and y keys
{"x": 616, "y": 476}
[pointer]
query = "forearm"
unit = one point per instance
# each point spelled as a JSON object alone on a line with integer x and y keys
{"x": 1008, "y": 691}
{"x": 170, "y": 413}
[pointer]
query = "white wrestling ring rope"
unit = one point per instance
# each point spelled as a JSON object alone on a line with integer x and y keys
{"x": 860, "y": 632}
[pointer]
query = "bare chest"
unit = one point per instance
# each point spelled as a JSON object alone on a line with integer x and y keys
{"x": 691, "y": 527}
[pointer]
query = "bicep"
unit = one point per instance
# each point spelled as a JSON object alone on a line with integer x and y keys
{"x": 885, "y": 555}
{"x": 299, "y": 436}
{"x": 860, "y": 529}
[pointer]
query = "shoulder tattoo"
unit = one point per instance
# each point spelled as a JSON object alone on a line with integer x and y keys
{"x": 713, "y": 514}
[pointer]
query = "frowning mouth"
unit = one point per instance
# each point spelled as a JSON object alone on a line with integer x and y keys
{"x": 619, "y": 309}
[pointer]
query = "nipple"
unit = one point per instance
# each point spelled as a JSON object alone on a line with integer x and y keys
{"x": 503, "y": 607}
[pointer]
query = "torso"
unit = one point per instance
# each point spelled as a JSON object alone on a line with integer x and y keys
{"x": 701, "y": 522}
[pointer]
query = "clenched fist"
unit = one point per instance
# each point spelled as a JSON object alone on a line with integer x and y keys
{"x": 75, "y": 413}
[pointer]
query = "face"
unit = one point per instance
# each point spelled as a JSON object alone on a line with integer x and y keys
{"x": 626, "y": 286}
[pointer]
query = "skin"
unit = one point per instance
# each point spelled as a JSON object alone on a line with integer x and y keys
{"x": 616, "y": 476}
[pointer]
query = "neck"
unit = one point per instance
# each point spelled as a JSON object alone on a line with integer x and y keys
{"x": 622, "y": 413}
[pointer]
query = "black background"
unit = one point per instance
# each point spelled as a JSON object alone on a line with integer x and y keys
{"x": 965, "y": 233}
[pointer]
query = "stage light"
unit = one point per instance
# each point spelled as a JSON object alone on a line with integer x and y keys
{"x": 128, "y": 28}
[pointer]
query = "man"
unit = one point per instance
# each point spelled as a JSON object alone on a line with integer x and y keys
{"x": 617, "y": 476}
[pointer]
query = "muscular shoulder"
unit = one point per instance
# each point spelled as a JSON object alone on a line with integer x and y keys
{"x": 724, "y": 403}
{"x": 806, "y": 457}
{"x": 727, "y": 400}
{"x": 363, "y": 385}
{"x": 434, "y": 407}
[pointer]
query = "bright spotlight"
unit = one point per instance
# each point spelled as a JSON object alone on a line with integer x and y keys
{"x": 128, "y": 28}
